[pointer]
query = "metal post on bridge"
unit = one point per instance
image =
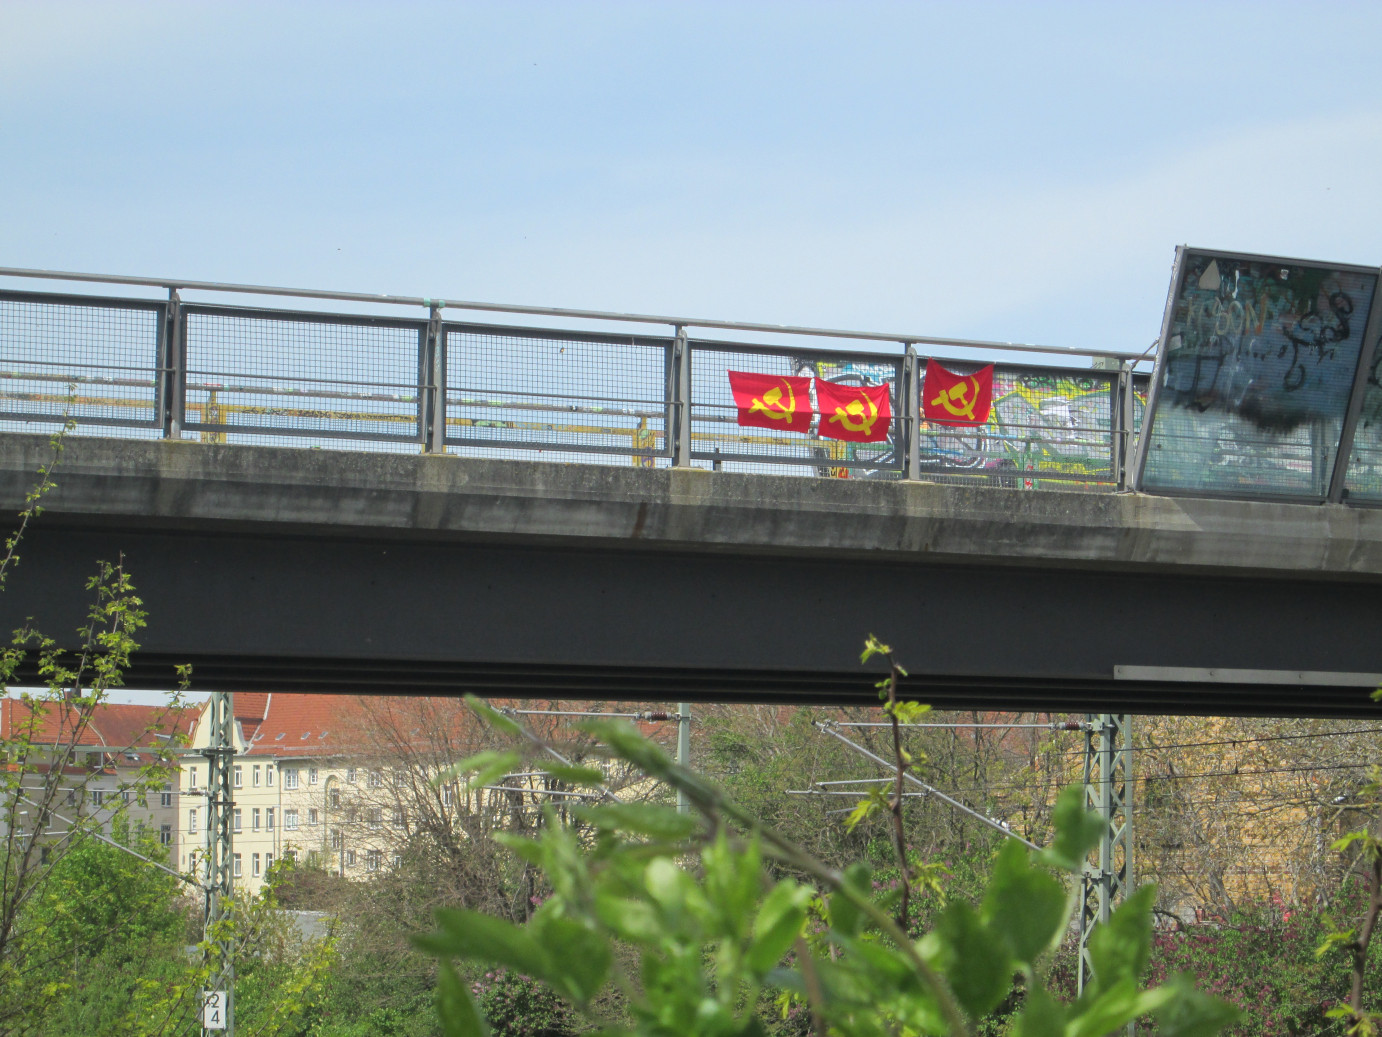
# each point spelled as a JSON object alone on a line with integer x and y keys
{"x": 172, "y": 365}
{"x": 1108, "y": 789}
{"x": 432, "y": 401}
{"x": 218, "y": 1006}
{"x": 679, "y": 400}
{"x": 909, "y": 451}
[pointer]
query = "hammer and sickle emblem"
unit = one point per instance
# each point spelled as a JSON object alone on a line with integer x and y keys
{"x": 771, "y": 405}
{"x": 958, "y": 399}
{"x": 853, "y": 418}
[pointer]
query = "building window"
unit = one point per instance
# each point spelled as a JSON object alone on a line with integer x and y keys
{"x": 254, "y": 819}
{"x": 311, "y": 815}
{"x": 268, "y": 778}
{"x": 237, "y": 819}
{"x": 376, "y": 780}
{"x": 376, "y": 817}
{"x": 254, "y": 864}
{"x": 448, "y": 793}
{"x": 269, "y": 819}
{"x": 254, "y": 774}
{"x": 192, "y": 820}
{"x": 397, "y": 860}
{"x": 165, "y": 799}
{"x": 311, "y": 775}
{"x": 238, "y": 870}
{"x": 290, "y": 778}
{"x": 165, "y": 834}
{"x": 191, "y": 777}
{"x": 350, "y": 775}
{"x": 127, "y": 796}
{"x": 290, "y": 819}
{"x": 398, "y": 818}
{"x": 291, "y": 856}
{"x": 71, "y": 797}
{"x": 43, "y": 854}
{"x": 400, "y": 778}
{"x": 268, "y": 861}
{"x": 372, "y": 860}
{"x": 336, "y": 841}
{"x": 97, "y": 797}
{"x": 350, "y": 858}
{"x": 335, "y": 799}
{"x": 237, "y": 776}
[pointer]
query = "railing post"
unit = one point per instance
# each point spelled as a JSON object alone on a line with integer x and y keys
{"x": 172, "y": 381}
{"x": 432, "y": 395}
{"x": 679, "y": 403}
{"x": 1121, "y": 426}
{"x": 910, "y": 406}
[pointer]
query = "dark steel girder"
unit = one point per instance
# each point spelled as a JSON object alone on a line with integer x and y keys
{"x": 333, "y": 614}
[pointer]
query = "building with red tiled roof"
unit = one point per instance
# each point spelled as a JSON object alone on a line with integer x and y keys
{"x": 345, "y": 781}
{"x": 100, "y": 762}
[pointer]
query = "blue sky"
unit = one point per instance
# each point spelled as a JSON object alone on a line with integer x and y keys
{"x": 998, "y": 171}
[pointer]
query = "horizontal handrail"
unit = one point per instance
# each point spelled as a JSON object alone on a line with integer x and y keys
{"x": 902, "y": 338}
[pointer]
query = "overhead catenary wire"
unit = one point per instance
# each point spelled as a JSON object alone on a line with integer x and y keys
{"x": 828, "y": 729}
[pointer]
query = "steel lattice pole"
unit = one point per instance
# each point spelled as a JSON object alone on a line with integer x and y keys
{"x": 1108, "y": 792}
{"x": 219, "y": 874}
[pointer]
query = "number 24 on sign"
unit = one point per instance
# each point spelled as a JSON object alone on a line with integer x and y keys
{"x": 213, "y": 1009}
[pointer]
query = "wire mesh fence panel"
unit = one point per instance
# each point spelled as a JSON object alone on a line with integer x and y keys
{"x": 535, "y": 390}
{"x": 1047, "y": 429}
{"x": 322, "y": 378}
{"x": 1363, "y": 481}
{"x": 95, "y": 361}
{"x": 748, "y": 441}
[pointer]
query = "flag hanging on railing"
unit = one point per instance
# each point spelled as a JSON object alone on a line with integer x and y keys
{"x": 772, "y": 401}
{"x": 956, "y": 399}
{"x": 860, "y": 413}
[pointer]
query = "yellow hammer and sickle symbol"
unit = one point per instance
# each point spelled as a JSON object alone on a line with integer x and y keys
{"x": 771, "y": 405}
{"x": 852, "y": 416}
{"x": 963, "y": 407}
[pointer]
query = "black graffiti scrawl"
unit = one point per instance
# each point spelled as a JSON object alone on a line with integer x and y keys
{"x": 1275, "y": 344}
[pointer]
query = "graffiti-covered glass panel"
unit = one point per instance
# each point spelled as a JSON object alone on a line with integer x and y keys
{"x": 1047, "y": 429}
{"x": 1364, "y": 478}
{"x": 1257, "y": 364}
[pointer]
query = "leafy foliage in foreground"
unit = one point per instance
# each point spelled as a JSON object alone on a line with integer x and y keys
{"x": 710, "y": 934}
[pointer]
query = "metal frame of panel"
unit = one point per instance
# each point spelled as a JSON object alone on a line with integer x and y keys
{"x": 1333, "y": 489}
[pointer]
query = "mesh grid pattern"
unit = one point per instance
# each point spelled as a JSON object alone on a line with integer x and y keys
{"x": 1047, "y": 429}
{"x": 98, "y": 364}
{"x": 302, "y": 377}
{"x": 716, "y": 435}
{"x": 544, "y": 393}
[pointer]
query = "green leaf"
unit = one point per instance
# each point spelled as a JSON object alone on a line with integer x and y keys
{"x": 845, "y": 915}
{"x": 1042, "y": 1015}
{"x": 1114, "y": 1008}
{"x": 779, "y": 922}
{"x": 485, "y": 767}
{"x": 1077, "y": 831}
{"x": 589, "y": 777}
{"x": 473, "y": 936}
{"x": 976, "y": 964}
{"x": 1191, "y": 1013}
{"x": 493, "y": 717}
{"x": 456, "y": 1008}
{"x": 1025, "y": 907}
{"x": 583, "y": 957}
{"x": 646, "y": 819}
{"x": 1118, "y": 950}
{"x": 872, "y": 647}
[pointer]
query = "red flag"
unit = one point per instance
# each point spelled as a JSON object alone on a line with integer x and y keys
{"x": 956, "y": 399}
{"x": 861, "y": 413}
{"x": 772, "y": 401}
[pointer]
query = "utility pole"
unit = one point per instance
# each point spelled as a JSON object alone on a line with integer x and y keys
{"x": 1108, "y": 786}
{"x": 218, "y": 1003}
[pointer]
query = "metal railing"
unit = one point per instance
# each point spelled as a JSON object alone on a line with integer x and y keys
{"x": 225, "y": 374}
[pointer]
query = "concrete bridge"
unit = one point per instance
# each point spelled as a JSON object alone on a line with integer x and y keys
{"x": 335, "y": 571}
